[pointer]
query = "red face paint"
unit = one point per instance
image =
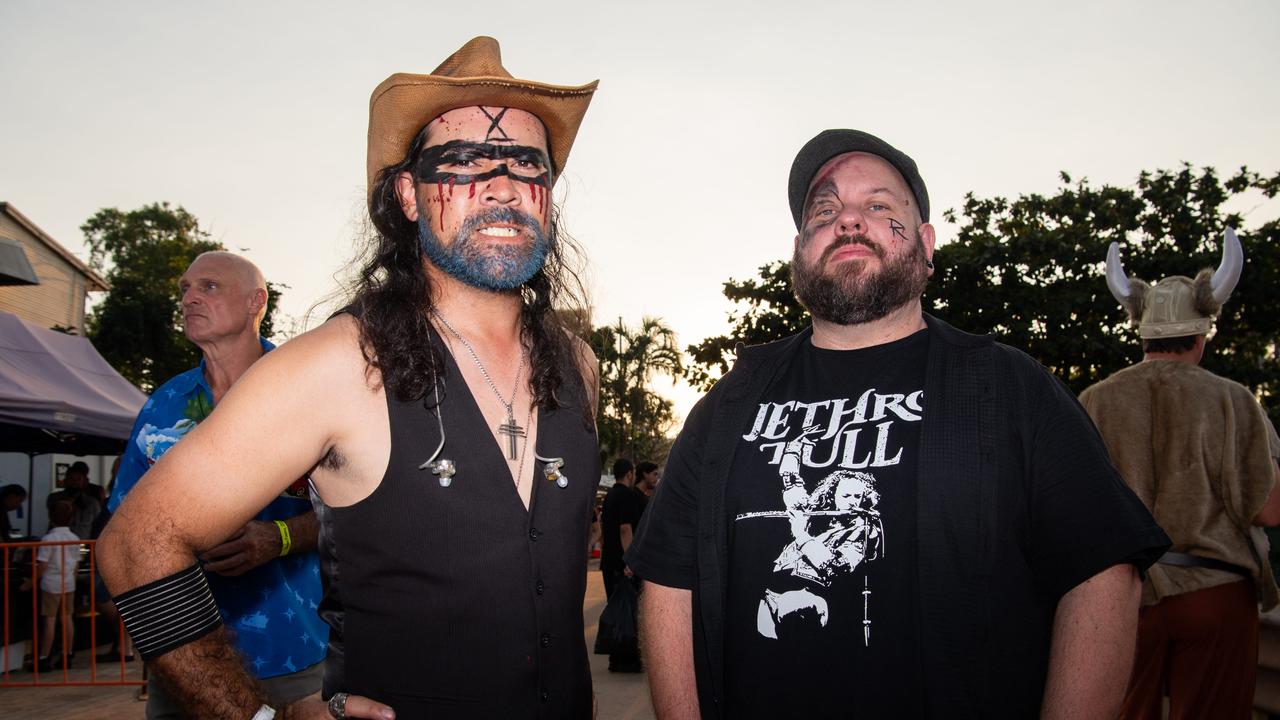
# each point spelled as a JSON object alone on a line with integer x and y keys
{"x": 471, "y": 192}
{"x": 440, "y": 199}
{"x": 451, "y": 180}
{"x": 538, "y": 193}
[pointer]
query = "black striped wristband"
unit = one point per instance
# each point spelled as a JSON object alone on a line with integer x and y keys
{"x": 168, "y": 613}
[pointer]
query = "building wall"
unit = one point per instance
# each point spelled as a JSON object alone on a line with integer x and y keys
{"x": 59, "y": 299}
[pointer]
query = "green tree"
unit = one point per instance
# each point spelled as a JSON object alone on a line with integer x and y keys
{"x": 1030, "y": 270}
{"x": 765, "y": 309}
{"x": 138, "y": 326}
{"x": 633, "y": 420}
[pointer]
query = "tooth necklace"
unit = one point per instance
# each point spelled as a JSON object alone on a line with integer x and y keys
{"x": 510, "y": 428}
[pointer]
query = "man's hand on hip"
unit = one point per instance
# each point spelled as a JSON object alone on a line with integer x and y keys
{"x": 356, "y": 706}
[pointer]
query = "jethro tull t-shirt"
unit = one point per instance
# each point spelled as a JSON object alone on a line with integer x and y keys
{"x": 822, "y": 539}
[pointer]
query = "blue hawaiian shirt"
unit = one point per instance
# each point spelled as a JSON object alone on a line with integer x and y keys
{"x": 271, "y": 609}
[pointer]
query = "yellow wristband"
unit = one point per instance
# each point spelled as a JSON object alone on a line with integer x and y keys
{"x": 285, "y": 541}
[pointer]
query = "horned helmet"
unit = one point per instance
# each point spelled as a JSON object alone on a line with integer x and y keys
{"x": 1177, "y": 305}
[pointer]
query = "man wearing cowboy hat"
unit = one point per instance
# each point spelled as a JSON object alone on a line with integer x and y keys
{"x": 445, "y": 419}
{"x": 1200, "y": 452}
{"x": 883, "y": 515}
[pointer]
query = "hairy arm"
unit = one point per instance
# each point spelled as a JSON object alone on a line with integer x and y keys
{"x": 221, "y": 689}
{"x": 259, "y": 542}
{"x": 1094, "y": 633}
{"x": 304, "y": 530}
{"x": 666, "y": 637}
{"x": 270, "y": 429}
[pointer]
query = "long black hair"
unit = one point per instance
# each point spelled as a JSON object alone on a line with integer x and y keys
{"x": 392, "y": 301}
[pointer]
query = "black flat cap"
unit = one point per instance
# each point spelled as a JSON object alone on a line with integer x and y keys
{"x": 832, "y": 143}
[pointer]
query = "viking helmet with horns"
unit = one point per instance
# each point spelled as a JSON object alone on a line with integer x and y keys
{"x": 1177, "y": 306}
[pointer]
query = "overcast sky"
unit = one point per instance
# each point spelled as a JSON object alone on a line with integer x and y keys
{"x": 253, "y": 116}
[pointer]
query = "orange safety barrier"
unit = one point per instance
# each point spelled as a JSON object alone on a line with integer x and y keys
{"x": 112, "y": 673}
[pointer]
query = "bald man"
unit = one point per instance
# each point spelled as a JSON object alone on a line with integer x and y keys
{"x": 265, "y": 577}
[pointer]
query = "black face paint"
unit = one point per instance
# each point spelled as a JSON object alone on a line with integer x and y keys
{"x": 807, "y": 233}
{"x": 495, "y": 123}
{"x": 898, "y": 229}
{"x": 520, "y": 162}
{"x": 812, "y": 225}
{"x": 825, "y": 188}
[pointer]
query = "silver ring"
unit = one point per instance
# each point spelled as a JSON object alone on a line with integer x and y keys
{"x": 338, "y": 706}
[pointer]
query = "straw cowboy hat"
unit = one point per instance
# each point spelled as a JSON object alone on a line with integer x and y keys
{"x": 404, "y": 103}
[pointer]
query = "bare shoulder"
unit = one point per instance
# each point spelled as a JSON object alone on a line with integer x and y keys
{"x": 338, "y": 339}
{"x": 359, "y": 445}
{"x": 326, "y": 353}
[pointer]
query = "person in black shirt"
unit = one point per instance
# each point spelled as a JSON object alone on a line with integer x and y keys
{"x": 11, "y": 498}
{"x": 883, "y": 516}
{"x": 85, "y": 499}
{"x": 619, "y": 518}
{"x": 647, "y": 479}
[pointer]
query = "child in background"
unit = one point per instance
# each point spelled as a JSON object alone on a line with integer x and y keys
{"x": 56, "y": 570}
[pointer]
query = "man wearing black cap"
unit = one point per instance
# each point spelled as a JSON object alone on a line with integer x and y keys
{"x": 83, "y": 497}
{"x": 884, "y": 514}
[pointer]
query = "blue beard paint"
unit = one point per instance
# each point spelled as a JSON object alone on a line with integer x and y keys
{"x": 496, "y": 267}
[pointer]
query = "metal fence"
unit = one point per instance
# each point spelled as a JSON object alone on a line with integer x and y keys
{"x": 22, "y": 600}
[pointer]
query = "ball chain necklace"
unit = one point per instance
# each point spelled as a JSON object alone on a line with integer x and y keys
{"x": 510, "y": 428}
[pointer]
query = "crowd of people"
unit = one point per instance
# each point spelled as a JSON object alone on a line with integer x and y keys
{"x": 75, "y": 513}
{"x": 620, "y": 513}
{"x": 883, "y": 516}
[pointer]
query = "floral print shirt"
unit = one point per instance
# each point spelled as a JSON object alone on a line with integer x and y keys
{"x": 271, "y": 610}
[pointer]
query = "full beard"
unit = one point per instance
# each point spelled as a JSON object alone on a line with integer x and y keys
{"x": 499, "y": 267}
{"x": 849, "y": 294}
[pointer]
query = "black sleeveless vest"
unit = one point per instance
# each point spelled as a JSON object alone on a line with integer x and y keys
{"x": 456, "y": 602}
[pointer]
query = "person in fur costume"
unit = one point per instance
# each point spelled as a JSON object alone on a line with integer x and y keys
{"x": 1201, "y": 453}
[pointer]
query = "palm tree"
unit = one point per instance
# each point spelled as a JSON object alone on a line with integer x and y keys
{"x": 633, "y": 418}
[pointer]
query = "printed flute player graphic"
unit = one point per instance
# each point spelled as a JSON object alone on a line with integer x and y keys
{"x": 834, "y": 530}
